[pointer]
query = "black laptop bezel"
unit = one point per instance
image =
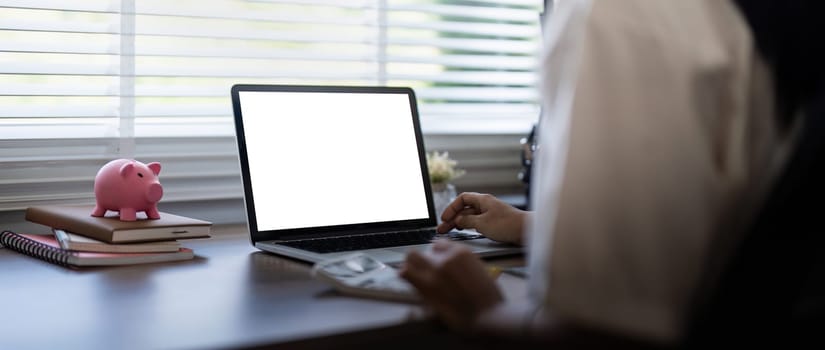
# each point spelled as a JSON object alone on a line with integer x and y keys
{"x": 257, "y": 235}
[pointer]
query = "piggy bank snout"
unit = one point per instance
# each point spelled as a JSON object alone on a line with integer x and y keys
{"x": 154, "y": 193}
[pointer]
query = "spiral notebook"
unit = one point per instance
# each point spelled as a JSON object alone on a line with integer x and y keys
{"x": 47, "y": 248}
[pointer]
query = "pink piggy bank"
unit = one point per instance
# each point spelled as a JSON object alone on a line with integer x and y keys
{"x": 128, "y": 186}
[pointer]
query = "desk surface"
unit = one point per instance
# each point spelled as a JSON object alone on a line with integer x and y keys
{"x": 231, "y": 295}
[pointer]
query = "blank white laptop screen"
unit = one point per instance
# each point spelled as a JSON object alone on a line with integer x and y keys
{"x": 323, "y": 159}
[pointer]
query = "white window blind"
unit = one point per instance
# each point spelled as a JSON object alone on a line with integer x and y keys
{"x": 84, "y": 82}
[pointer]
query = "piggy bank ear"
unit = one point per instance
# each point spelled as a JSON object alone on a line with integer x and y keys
{"x": 155, "y": 166}
{"x": 127, "y": 169}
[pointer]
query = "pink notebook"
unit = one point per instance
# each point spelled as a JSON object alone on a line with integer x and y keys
{"x": 47, "y": 248}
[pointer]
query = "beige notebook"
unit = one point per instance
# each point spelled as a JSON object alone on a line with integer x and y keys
{"x": 78, "y": 220}
{"x": 78, "y": 243}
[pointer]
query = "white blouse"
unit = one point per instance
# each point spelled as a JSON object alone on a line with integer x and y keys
{"x": 657, "y": 141}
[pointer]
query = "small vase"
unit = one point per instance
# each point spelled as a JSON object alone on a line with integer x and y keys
{"x": 443, "y": 195}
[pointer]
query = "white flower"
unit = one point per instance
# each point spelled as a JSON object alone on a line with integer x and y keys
{"x": 442, "y": 168}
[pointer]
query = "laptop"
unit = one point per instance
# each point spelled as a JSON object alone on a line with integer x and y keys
{"x": 332, "y": 170}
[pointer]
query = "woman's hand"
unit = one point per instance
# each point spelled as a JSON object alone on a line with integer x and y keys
{"x": 454, "y": 282}
{"x": 486, "y": 214}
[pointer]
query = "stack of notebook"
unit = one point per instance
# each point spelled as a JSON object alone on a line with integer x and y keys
{"x": 83, "y": 240}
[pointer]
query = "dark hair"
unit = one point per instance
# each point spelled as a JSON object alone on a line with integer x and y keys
{"x": 789, "y": 35}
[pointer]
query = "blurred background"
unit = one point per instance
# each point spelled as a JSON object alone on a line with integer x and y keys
{"x": 84, "y": 82}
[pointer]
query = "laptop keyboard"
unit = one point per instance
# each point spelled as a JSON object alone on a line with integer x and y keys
{"x": 361, "y": 242}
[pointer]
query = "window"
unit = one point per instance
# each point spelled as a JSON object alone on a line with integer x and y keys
{"x": 84, "y": 82}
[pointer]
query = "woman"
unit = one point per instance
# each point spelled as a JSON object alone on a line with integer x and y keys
{"x": 665, "y": 126}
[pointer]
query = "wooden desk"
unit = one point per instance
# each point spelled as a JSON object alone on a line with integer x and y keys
{"x": 230, "y": 296}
